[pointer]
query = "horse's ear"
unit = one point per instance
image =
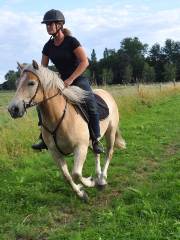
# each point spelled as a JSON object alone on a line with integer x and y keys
{"x": 20, "y": 66}
{"x": 35, "y": 65}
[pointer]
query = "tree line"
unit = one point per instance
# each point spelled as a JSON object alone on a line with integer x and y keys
{"x": 133, "y": 62}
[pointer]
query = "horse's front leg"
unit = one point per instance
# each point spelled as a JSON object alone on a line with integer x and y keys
{"x": 80, "y": 154}
{"x": 110, "y": 139}
{"x": 64, "y": 168}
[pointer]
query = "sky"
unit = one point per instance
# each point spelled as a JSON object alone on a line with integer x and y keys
{"x": 97, "y": 24}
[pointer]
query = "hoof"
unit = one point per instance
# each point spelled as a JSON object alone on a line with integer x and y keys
{"x": 82, "y": 194}
{"x": 101, "y": 183}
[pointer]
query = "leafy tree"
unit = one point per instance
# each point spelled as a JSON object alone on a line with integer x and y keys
{"x": 105, "y": 54}
{"x": 93, "y": 56}
{"x": 107, "y": 76}
{"x": 11, "y": 78}
{"x": 157, "y": 59}
{"x": 127, "y": 76}
{"x": 93, "y": 67}
{"x": 136, "y": 51}
{"x": 170, "y": 50}
{"x": 148, "y": 73}
{"x": 155, "y": 53}
{"x": 169, "y": 72}
{"x": 108, "y": 52}
{"x": 133, "y": 47}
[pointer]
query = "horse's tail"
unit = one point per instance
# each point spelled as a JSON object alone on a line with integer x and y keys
{"x": 119, "y": 141}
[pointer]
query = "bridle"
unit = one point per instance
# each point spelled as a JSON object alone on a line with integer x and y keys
{"x": 32, "y": 104}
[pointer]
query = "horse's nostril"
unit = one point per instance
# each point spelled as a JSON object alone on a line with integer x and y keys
{"x": 16, "y": 109}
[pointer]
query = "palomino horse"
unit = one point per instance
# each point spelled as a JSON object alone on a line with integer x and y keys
{"x": 64, "y": 130}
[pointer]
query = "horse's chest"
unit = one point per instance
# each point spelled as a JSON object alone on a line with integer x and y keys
{"x": 64, "y": 142}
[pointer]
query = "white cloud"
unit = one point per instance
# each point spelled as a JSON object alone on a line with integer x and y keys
{"x": 106, "y": 26}
{"x": 22, "y": 36}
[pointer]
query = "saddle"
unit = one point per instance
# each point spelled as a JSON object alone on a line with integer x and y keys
{"x": 102, "y": 108}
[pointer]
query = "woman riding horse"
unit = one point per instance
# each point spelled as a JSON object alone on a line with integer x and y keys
{"x": 71, "y": 61}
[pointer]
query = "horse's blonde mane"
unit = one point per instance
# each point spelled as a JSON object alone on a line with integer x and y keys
{"x": 52, "y": 80}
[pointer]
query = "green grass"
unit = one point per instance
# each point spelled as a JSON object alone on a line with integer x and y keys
{"x": 141, "y": 201}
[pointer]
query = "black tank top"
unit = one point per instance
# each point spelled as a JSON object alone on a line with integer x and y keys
{"x": 62, "y": 56}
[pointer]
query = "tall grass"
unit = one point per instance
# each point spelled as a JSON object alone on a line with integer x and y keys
{"x": 131, "y": 97}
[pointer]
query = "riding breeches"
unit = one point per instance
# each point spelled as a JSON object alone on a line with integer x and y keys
{"x": 91, "y": 107}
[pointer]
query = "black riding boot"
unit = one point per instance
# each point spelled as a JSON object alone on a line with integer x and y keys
{"x": 95, "y": 133}
{"x": 40, "y": 145}
{"x": 97, "y": 148}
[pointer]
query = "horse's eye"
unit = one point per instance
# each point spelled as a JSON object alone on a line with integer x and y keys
{"x": 31, "y": 83}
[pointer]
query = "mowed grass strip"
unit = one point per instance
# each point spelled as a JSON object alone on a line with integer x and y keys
{"x": 141, "y": 200}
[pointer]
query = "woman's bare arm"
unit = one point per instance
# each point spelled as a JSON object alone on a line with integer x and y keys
{"x": 44, "y": 60}
{"x": 83, "y": 64}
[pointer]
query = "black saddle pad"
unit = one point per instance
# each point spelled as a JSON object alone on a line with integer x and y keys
{"x": 102, "y": 109}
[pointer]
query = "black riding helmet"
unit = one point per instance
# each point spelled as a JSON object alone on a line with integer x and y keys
{"x": 53, "y": 16}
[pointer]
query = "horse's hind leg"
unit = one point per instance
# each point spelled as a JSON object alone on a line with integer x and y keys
{"x": 79, "y": 159}
{"x": 110, "y": 139}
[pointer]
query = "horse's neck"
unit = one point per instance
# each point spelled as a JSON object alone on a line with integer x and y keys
{"x": 52, "y": 109}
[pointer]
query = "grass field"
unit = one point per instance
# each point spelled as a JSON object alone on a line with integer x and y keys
{"x": 142, "y": 199}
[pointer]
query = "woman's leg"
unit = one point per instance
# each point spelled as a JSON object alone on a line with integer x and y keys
{"x": 91, "y": 105}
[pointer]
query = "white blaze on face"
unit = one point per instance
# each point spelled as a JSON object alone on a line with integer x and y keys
{"x": 19, "y": 91}
{"x": 21, "y": 80}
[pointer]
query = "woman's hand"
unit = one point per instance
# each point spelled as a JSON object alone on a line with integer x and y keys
{"x": 68, "y": 82}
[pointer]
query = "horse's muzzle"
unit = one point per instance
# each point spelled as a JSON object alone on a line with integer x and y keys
{"x": 16, "y": 109}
